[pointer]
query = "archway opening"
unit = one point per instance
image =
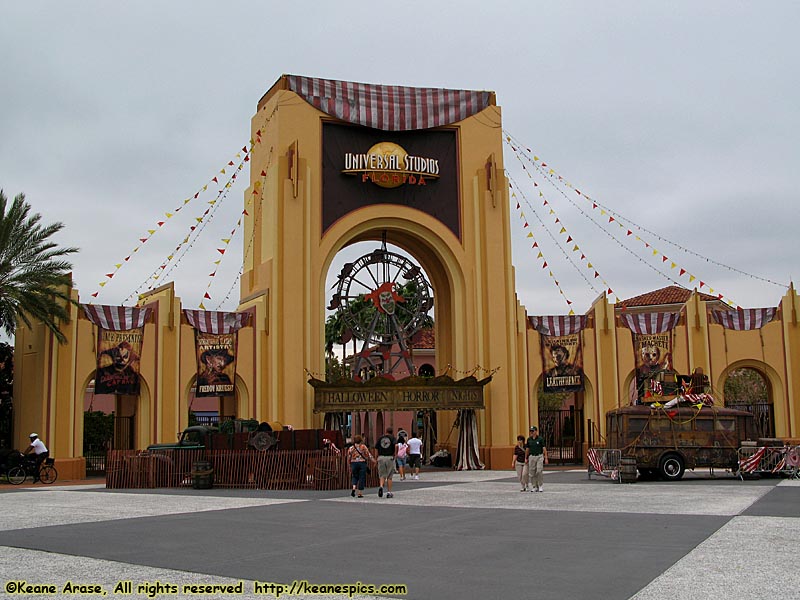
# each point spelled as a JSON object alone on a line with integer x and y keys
{"x": 748, "y": 389}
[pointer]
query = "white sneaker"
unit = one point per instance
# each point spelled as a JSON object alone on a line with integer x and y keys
{"x": 539, "y": 489}
{"x": 416, "y": 476}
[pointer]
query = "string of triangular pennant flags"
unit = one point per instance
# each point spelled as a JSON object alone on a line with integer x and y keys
{"x": 254, "y": 206}
{"x": 516, "y": 194}
{"x": 174, "y": 258}
{"x": 569, "y": 239}
{"x": 156, "y": 228}
{"x": 550, "y": 175}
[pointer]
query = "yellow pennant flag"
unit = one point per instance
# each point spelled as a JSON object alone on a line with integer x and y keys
{"x": 118, "y": 265}
{"x": 691, "y": 278}
{"x": 151, "y": 231}
{"x": 103, "y": 283}
{"x": 530, "y": 234}
{"x": 563, "y": 230}
{"x": 673, "y": 266}
{"x": 589, "y": 266}
{"x": 226, "y": 240}
{"x": 169, "y": 215}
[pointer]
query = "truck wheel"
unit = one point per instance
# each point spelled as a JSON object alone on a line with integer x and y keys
{"x": 671, "y": 467}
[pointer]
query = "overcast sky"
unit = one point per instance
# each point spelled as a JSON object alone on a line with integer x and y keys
{"x": 682, "y": 117}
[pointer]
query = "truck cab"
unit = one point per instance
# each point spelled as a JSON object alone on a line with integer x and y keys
{"x": 192, "y": 438}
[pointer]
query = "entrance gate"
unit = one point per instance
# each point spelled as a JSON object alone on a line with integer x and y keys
{"x": 121, "y": 438}
{"x": 562, "y": 431}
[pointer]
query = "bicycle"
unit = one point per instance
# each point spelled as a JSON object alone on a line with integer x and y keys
{"x": 47, "y": 473}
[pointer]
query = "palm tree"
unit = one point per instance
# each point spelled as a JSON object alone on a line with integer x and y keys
{"x": 34, "y": 277}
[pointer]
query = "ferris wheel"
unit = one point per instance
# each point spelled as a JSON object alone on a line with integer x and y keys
{"x": 383, "y": 299}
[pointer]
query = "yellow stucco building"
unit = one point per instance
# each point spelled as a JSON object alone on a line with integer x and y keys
{"x": 315, "y": 188}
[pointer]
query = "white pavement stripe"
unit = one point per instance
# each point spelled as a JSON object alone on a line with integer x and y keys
{"x": 749, "y": 557}
{"x": 600, "y": 497}
{"x": 57, "y": 506}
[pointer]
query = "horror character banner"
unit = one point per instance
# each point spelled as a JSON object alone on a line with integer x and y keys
{"x": 216, "y": 364}
{"x": 118, "y": 355}
{"x": 215, "y": 335}
{"x": 653, "y": 353}
{"x": 562, "y": 359}
{"x": 119, "y": 347}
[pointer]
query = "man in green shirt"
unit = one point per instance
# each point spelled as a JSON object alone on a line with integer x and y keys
{"x": 536, "y": 456}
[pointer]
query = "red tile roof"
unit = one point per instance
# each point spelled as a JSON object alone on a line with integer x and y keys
{"x": 424, "y": 338}
{"x": 672, "y": 294}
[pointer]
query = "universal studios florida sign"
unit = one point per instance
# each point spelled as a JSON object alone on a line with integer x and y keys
{"x": 388, "y": 165}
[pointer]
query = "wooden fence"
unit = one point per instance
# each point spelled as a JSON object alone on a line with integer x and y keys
{"x": 269, "y": 470}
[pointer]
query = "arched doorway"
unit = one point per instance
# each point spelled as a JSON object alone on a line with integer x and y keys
{"x": 561, "y": 424}
{"x": 747, "y": 388}
{"x": 109, "y": 423}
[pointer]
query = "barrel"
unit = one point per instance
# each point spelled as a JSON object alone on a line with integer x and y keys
{"x": 627, "y": 469}
{"x": 202, "y": 475}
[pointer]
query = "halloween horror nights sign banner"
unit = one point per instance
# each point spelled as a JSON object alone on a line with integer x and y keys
{"x": 412, "y": 393}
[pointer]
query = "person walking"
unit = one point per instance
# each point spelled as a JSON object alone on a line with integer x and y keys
{"x": 520, "y": 464}
{"x": 387, "y": 451}
{"x": 359, "y": 456}
{"x": 414, "y": 454}
{"x": 536, "y": 457}
{"x": 401, "y": 456}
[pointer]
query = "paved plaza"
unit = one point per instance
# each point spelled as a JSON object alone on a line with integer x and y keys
{"x": 449, "y": 535}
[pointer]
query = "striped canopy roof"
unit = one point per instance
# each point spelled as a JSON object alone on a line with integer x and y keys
{"x": 389, "y": 107}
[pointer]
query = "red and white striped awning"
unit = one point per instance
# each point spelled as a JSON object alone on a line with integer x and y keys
{"x": 558, "y": 325}
{"x": 389, "y": 107}
{"x": 216, "y": 322}
{"x": 744, "y": 319}
{"x": 116, "y": 318}
{"x": 647, "y": 323}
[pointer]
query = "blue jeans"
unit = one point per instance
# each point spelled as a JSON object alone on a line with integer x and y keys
{"x": 358, "y": 471}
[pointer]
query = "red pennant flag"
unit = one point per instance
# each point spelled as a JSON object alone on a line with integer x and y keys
{"x": 682, "y": 272}
{"x": 109, "y": 275}
{"x": 577, "y": 191}
{"x": 95, "y": 295}
{"x": 526, "y": 224}
{"x": 646, "y": 245}
{"x": 610, "y": 219}
{"x": 163, "y": 267}
{"x": 664, "y": 259}
{"x": 569, "y": 301}
{"x": 206, "y": 296}
{"x": 215, "y": 180}
{"x": 221, "y": 250}
{"x": 263, "y": 173}
{"x": 160, "y": 223}
{"x": 127, "y": 258}
{"x": 583, "y": 256}
{"x": 544, "y": 266}
{"x": 719, "y": 296}
{"x": 517, "y": 205}
{"x": 569, "y": 238}
{"x": 544, "y": 203}
{"x": 594, "y": 205}
{"x": 535, "y": 245}
{"x": 246, "y": 158}
{"x": 596, "y": 274}
{"x": 143, "y": 240}
{"x": 244, "y": 148}
{"x": 610, "y": 291}
{"x": 630, "y": 232}
{"x": 244, "y": 212}
{"x": 230, "y": 163}
{"x": 702, "y": 284}
{"x": 544, "y": 165}
{"x": 192, "y": 228}
{"x": 214, "y": 274}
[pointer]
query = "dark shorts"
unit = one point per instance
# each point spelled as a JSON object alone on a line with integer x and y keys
{"x": 414, "y": 460}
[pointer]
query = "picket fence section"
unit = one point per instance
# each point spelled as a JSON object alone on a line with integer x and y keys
{"x": 269, "y": 470}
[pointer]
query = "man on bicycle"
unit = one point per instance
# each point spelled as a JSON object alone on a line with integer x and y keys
{"x": 39, "y": 451}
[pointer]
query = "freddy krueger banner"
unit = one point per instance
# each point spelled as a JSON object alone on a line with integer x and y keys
{"x": 118, "y": 355}
{"x": 563, "y": 363}
{"x": 216, "y": 363}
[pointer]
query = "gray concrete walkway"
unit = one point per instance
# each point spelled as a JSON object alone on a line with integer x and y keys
{"x": 450, "y": 535}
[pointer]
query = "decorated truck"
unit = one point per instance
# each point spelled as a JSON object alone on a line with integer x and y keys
{"x": 667, "y": 439}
